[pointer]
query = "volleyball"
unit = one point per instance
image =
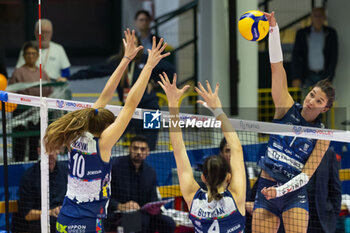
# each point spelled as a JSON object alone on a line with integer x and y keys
{"x": 3, "y": 82}
{"x": 253, "y": 25}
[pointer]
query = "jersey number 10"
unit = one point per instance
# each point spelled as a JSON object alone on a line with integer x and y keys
{"x": 79, "y": 165}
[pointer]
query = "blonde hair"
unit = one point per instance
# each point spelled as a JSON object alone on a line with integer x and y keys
{"x": 62, "y": 132}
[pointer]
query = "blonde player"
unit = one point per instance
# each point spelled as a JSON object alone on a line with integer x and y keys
{"x": 89, "y": 134}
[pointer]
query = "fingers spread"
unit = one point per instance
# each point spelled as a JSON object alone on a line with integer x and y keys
{"x": 162, "y": 86}
{"x": 153, "y": 42}
{"x": 201, "y": 87}
{"x": 174, "y": 78}
{"x": 160, "y": 43}
{"x": 217, "y": 88}
{"x": 209, "y": 87}
{"x": 164, "y": 46}
{"x": 165, "y": 54}
{"x": 185, "y": 88}
{"x": 163, "y": 80}
{"x": 199, "y": 91}
{"x": 166, "y": 77}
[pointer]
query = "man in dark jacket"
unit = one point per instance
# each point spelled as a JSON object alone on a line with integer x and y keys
{"x": 29, "y": 205}
{"x": 134, "y": 184}
{"x": 315, "y": 52}
{"x": 324, "y": 191}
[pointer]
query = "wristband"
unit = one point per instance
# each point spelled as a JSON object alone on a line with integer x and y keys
{"x": 127, "y": 58}
{"x": 275, "y": 50}
{"x": 216, "y": 112}
{"x": 296, "y": 183}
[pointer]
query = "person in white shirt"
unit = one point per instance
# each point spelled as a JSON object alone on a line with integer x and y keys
{"x": 54, "y": 58}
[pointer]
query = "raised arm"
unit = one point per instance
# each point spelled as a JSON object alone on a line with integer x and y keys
{"x": 279, "y": 90}
{"x": 111, "y": 135}
{"x": 315, "y": 158}
{"x": 188, "y": 185}
{"x": 130, "y": 52}
{"x": 238, "y": 177}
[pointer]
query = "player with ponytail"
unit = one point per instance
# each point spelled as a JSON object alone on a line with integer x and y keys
{"x": 89, "y": 135}
{"x": 222, "y": 207}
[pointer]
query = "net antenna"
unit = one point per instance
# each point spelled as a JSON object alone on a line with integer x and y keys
{"x": 44, "y": 164}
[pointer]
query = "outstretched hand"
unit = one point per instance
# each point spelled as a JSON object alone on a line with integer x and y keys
{"x": 271, "y": 18}
{"x": 269, "y": 192}
{"x": 131, "y": 49}
{"x": 172, "y": 92}
{"x": 212, "y": 99}
{"x": 154, "y": 54}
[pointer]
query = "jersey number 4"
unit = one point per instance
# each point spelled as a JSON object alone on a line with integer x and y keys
{"x": 214, "y": 228}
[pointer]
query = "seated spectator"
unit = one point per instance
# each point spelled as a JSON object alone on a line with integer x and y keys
{"x": 134, "y": 184}
{"x": 28, "y": 73}
{"x": 29, "y": 205}
{"x": 54, "y": 58}
{"x": 149, "y": 99}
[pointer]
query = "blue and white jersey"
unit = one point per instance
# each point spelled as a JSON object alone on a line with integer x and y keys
{"x": 89, "y": 179}
{"x": 286, "y": 156}
{"x": 215, "y": 216}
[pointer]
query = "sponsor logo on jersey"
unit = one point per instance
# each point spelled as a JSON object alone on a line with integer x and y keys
{"x": 280, "y": 156}
{"x": 232, "y": 229}
{"x": 277, "y": 145}
{"x": 76, "y": 229}
{"x": 89, "y": 173}
{"x": 61, "y": 228}
{"x": 288, "y": 151}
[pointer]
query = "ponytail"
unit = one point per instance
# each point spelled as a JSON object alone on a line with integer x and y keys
{"x": 215, "y": 169}
{"x": 62, "y": 132}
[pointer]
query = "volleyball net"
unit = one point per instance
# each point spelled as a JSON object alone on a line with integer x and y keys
{"x": 202, "y": 136}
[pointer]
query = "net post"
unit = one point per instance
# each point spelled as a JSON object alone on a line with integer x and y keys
{"x": 44, "y": 167}
{"x": 6, "y": 185}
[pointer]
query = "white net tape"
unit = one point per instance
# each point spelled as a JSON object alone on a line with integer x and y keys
{"x": 239, "y": 125}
